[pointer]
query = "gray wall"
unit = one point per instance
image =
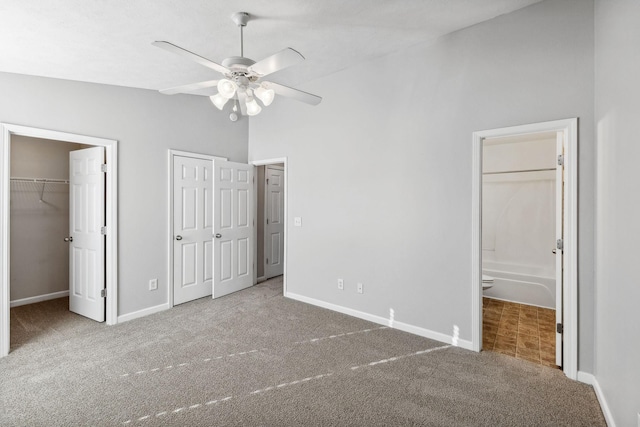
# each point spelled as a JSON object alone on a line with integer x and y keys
{"x": 146, "y": 124}
{"x": 39, "y": 255}
{"x": 618, "y": 292}
{"x": 380, "y": 172}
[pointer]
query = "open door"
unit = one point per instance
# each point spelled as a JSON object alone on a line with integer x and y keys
{"x": 233, "y": 207}
{"x": 274, "y": 222}
{"x": 559, "y": 242}
{"x": 86, "y": 238}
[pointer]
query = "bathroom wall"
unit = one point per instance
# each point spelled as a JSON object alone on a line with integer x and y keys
{"x": 518, "y": 218}
{"x": 39, "y": 255}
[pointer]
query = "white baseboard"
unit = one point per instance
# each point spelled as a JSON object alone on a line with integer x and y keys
{"x": 39, "y": 298}
{"x": 416, "y": 330}
{"x": 587, "y": 378}
{"x": 142, "y": 313}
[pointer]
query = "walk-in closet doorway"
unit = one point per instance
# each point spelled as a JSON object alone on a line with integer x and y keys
{"x": 58, "y": 223}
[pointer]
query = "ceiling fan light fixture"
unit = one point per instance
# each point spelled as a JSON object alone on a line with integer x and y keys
{"x": 218, "y": 100}
{"x": 252, "y": 107}
{"x": 265, "y": 95}
{"x": 227, "y": 88}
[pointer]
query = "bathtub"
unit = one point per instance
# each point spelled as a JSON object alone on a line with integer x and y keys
{"x": 521, "y": 284}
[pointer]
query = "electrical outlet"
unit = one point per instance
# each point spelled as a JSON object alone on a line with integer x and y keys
{"x": 341, "y": 284}
{"x": 360, "y": 290}
{"x": 153, "y": 284}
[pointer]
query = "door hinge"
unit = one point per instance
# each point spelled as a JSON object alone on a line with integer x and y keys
{"x": 266, "y": 261}
{"x": 267, "y": 181}
{"x": 103, "y": 230}
{"x": 560, "y": 159}
{"x": 103, "y": 293}
{"x": 559, "y": 328}
{"x": 103, "y": 168}
{"x": 559, "y": 244}
{"x": 267, "y": 221}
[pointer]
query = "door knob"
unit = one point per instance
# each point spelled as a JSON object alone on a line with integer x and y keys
{"x": 218, "y": 235}
{"x": 178, "y": 237}
{"x": 68, "y": 239}
{"x": 554, "y": 251}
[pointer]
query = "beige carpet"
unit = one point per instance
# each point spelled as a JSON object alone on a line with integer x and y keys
{"x": 255, "y": 358}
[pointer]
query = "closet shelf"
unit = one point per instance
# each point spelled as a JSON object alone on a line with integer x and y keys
{"x": 43, "y": 181}
{"x": 40, "y": 180}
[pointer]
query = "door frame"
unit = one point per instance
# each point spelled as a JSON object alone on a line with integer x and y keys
{"x": 267, "y": 162}
{"x": 171, "y": 155}
{"x": 570, "y": 222}
{"x": 7, "y": 131}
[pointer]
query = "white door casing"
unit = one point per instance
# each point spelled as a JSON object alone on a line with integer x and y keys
{"x": 86, "y": 241}
{"x": 193, "y": 225}
{"x": 233, "y": 207}
{"x": 274, "y": 222}
{"x": 559, "y": 239}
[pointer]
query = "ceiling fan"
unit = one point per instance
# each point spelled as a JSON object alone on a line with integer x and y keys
{"x": 242, "y": 80}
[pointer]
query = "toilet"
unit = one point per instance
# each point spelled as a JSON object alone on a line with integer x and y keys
{"x": 487, "y": 282}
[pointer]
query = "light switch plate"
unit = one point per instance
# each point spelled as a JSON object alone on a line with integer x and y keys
{"x": 297, "y": 221}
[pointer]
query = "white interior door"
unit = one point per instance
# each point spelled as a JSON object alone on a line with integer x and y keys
{"x": 192, "y": 228}
{"x": 559, "y": 242}
{"x": 86, "y": 241}
{"x": 274, "y": 222}
{"x": 233, "y": 206}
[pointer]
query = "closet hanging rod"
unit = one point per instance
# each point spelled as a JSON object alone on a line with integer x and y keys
{"x": 39, "y": 180}
{"x": 519, "y": 171}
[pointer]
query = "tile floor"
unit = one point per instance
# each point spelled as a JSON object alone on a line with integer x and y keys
{"x": 523, "y": 331}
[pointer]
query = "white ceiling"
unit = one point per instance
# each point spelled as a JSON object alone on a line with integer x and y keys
{"x": 109, "y": 41}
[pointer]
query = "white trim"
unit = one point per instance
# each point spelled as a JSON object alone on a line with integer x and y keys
{"x": 416, "y": 330}
{"x": 196, "y": 155}
{"x": 38, "y": 298}
{"x": 570, "y": 262}
{"x": 260, "y": 279}
{"x": 587, "y": 378}
{"x": 267, "y": 162}
{"x": 144, "y": 312}
{"x": 111, "y": 220}
{"x": 171, "y": 154}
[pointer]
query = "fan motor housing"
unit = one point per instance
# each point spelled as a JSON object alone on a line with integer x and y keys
{"x": 238, "y": 62}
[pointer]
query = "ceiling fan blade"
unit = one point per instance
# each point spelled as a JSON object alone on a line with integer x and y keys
{"x": 242, "y": 100}
{"x": 194, "y": 57}
{"x": 188, "y": 88}
{"x": 276, "y": 62}
{"x": 290, "y": 92}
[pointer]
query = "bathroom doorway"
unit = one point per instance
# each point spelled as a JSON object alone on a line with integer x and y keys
{"x": 524, "y": 223}
{"x": 519, "y": 234}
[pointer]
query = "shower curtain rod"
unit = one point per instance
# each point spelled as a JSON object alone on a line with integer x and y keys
{"x": 519, "y": 171}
